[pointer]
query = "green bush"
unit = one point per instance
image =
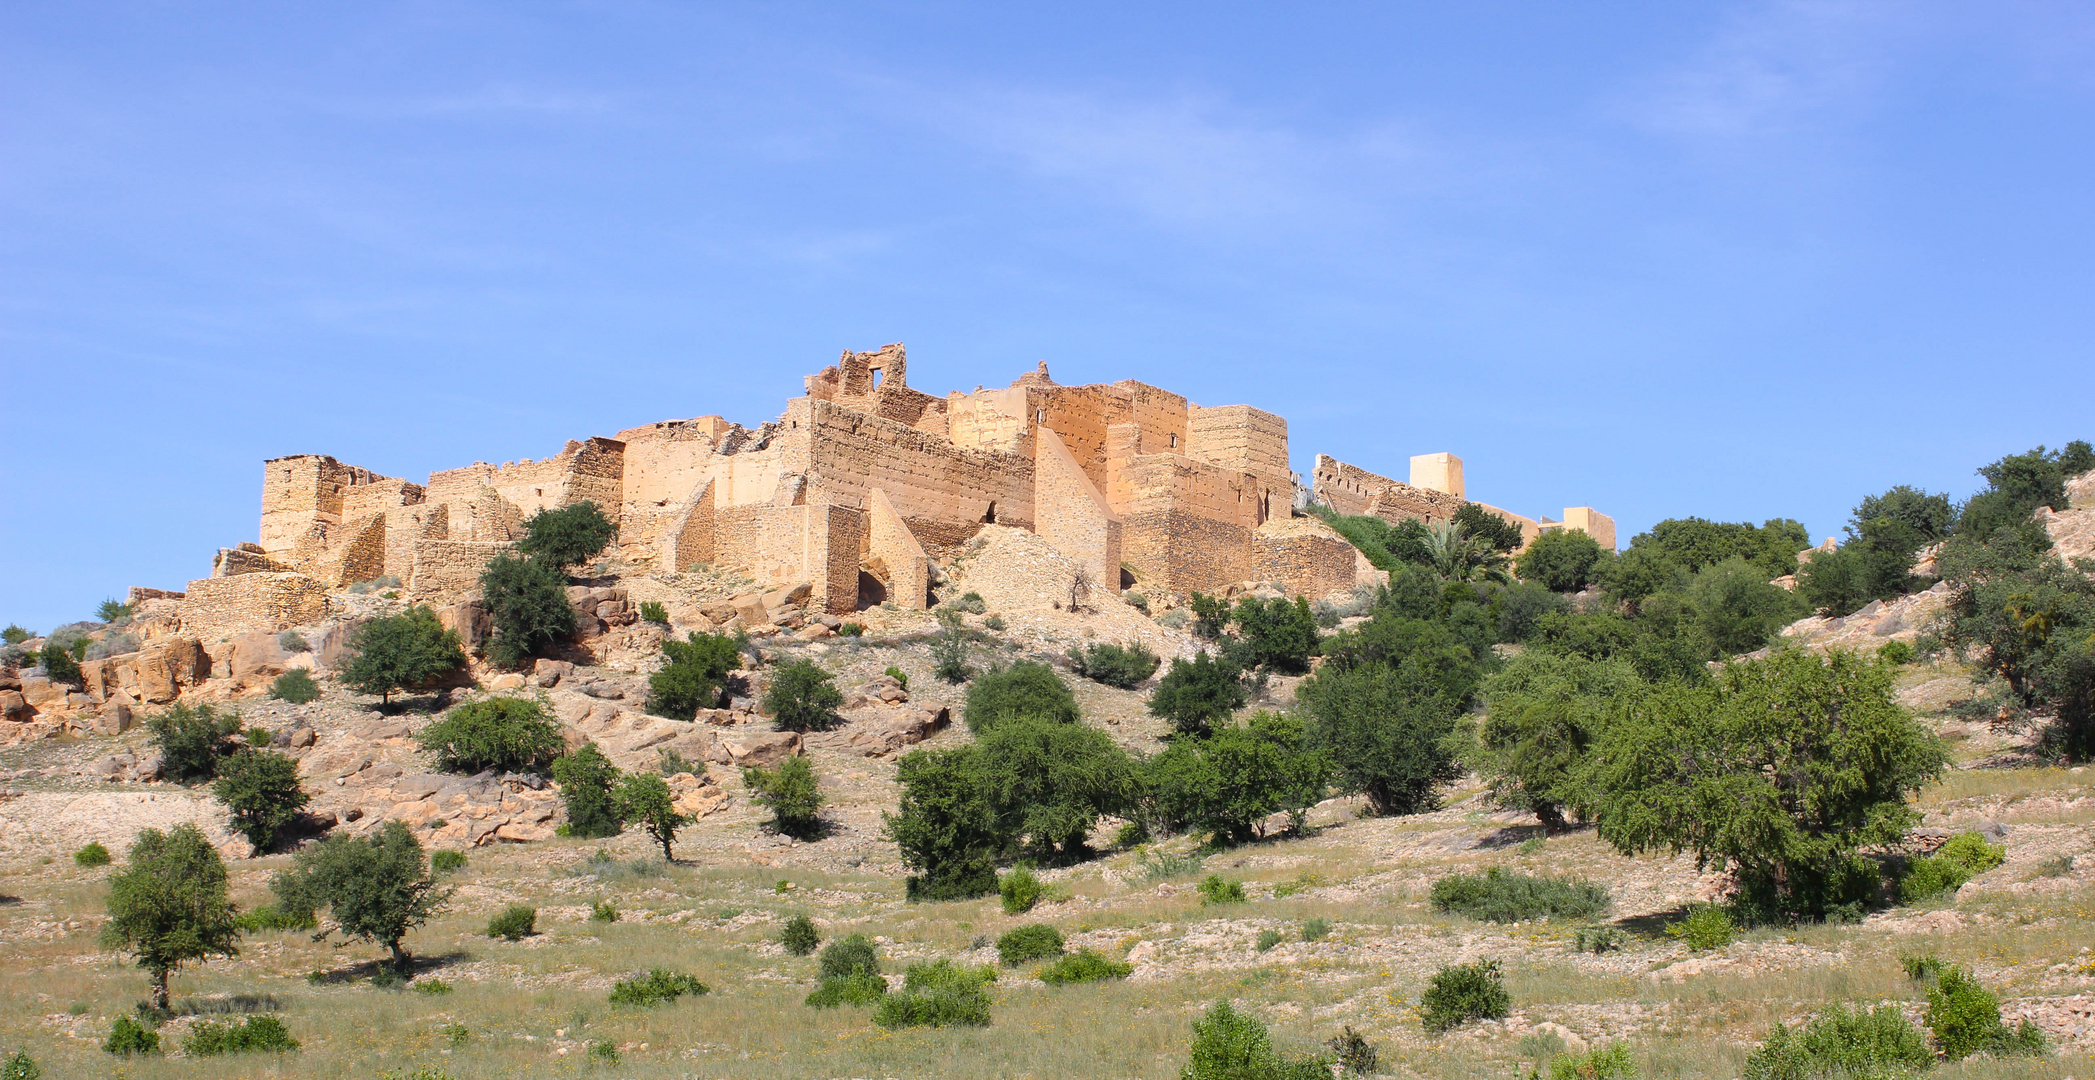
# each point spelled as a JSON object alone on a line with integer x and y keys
{"x": 1227, "y": 785}
{"x": 269, "y": 918}
{"x": 847, "y": 990}
{"x": 1026, "y": 689}
{"x": 515, "y": 923}
{"x": 1316, "y": 929}
{"x": 1839, "y": 1045}
{"x": 949, "y": 647}
{"x": 854, "y": 955}
{"x": 408, "y": 651}
{"x": 603, "y": 911}
{"x": 1544, "y": 711}
{"x": 20, "y": 1066}
{"x": 1034, "y": 941}
{"x": 1268, "y": 939}
{"x": 1385, "y": 723}
{"x": 1966, "y": 1020}
{"x": 508, "y": 733}
{"x": 572, "y": 534}
{"x": 654, "y": 611}
{"x": 94, "y": 854}
{"x": 1274, "y": 635}
{"x": 1229, "y": 1045}
{"x": 1216, "y": 889}
{"x": 296, "y": 687}
{"x": 1964, "y": 857}
{"x": 191, "y": 740}
{"x": 1896, "y": 653}
{"x": 128, "y": 1037}
{"x": 15, "y": 635}
{"x": 644, "y": 799}
{"x": 262, "y": 791}
{"x": 1460, "y": 993}
{"x": 1020, "y": 890}
{"x": 1783, "y": 768}
{"x": 61, "y": 663}
{"x": 791, "y": 793}
{"x": 1500, "y": 896}
{"x": 256, "y": 1033}
{"x": 526, "y": 602}
{"x": 293, "y": 641}
{"x": 1048, "y": 783}
{"x": 587, "y": 782}
{"x": 447, "y": 861}
{"x": 938, "y": 995}
{"x": 1610, "y": 1062}
{"x": 1561, "y": 560}
{"x": 697, "y": 668}
{"x": 1114, "y": 665}
{"x": 803, "y": 697}
{"x": 659, "y": 986}
{"x": 1084, "y": 965}
{"x": 900, "y": 676}
{"x": 799, "y": 936}
{"x": 376, "y": 888}
{"x": 1198, "y": 695}
{"x": 1706, "y": 927}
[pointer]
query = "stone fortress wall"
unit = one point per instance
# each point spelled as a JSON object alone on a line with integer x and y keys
{"x": 859, "y": 489}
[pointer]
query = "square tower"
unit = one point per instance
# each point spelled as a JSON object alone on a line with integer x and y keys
{"x": 1437, "y": 472}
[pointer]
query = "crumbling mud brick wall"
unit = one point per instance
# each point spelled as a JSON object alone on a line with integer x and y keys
{"x": 1305, "y": 557}
{"x": 225, "y": 607}
{"x": 894, "y": 557}
{"x": 247, "y": 558}
{"x": 877, "y": 383}
{"x": 304, "y": 490}
{"x": 1073, "y": 516}
{"x": 1354, "y": 491}
{"x": 1243, "y": 439}
{"x": 925, "y": 476}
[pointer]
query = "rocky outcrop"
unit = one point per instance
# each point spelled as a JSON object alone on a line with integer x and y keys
{"x": 1902, "y": 619}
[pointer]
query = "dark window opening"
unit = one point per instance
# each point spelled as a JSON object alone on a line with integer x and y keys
{"x": 989, "y": 517}
{"x": 1127, "y": 580}
{"x": 871, "y": 593}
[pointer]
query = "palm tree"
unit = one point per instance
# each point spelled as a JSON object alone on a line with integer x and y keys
{"x": 1458, "y": 556}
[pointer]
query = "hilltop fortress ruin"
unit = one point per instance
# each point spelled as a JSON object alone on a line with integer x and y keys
{"x": 859, "y": 491}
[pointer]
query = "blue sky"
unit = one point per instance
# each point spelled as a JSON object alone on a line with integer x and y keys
{"x": 1737, "y": 261}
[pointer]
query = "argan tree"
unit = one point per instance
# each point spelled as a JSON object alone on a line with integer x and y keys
{"x": 644, "y": 798}
{"x": 168, "y": 907}
{"x": 408, "y": 651}
{"x": 262, "y": 790}
{"x": 375, "y": 889}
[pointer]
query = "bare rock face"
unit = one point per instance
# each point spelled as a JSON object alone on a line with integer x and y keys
{"x": 257, "y": 655}
{"x": 15, "y": 708}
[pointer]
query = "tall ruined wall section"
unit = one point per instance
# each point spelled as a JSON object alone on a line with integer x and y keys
{"x": 1353, "y": 491}
{"x": 926, "y": 477}
{"x": 1243, "y": 439}
{"x": 1305, "y": 556}
{"x": 305, "y": 490}
{"x": 217, "y": 608}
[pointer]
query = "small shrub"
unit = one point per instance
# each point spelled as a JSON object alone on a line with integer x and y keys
{"x": 404, "y": 652}
{"x": 803, "y": 697}
{"x": 191, "y": 740}
{"x": 457, "y": 1034}
{"x": 1114, "y": 665}
{"x": 1025, "y": 689}
{"x": 517, "y": 922}
{"x": 1300, "y": 883}
{"x": 296, "y": 687}
{"x": 799, "y": 937}
{"x": 900, "y": 676}
{"x": 112, "y": 609}
{"x": 510, "y": 734}
{"x": 851, "y": 629}
{"x": 1198, "y": 695}
{"x": 1019, "y": 888}
{"x": 1156, "y": 866}
{"x": 1229, "y": 1045}
{"x": 658, "y": 987}
{"x": 938, "y": 995}
{"x": 260, "y": 1032}
{"x": 1460, "y": 993}
{"x": 1923, "y": 968}
{"x": 1500, "y": 896}
{"x": 272, "y": 918}
{"x": 587, "y": 781}
{"x": 1966, "y": 1020}
{"x": 854, "y": 955}
{"x": 669, "y": 763}
{"x": 1610, "y": 1062}
{"x": 972, "y": 603}
{"x": 1896, "y": 653}
{"x": 1355, "y": 1053}
{"x": 572, "y": 534}
{"x": 128, "y": 1037}
{"x": 2056, "y": 866}
{"x": 654, "y": 611}
{"x": 1269, "y": 938}
{"x": 848, "y": 990}
{"x": 1216, "y": 889}
{"x": 604, "y": 1050}
{"x": 791, "y": 793}
{"x": 20, "y": 1066}
{"x": 603, "y": 911}
{"x": 1706, "y": 927}
{"x": 94, "y": 854}
{"x": 1596, "y": 939}
{"x": 1131, "y": 834}
{"x": 388, "y": 978}
{"x": 293, "y": 641}
{"x": 1531, "y": 846}
{"x": 262, "y": 790}
{"x": 1964, "y": 857}
{"x": 1035, "y": 941}
{"x": 432, "y": 987}
{"x": 1838, "y": 1044}
{"x": 1084, "y": 965}
{"x": 696, "y": 671}
{"x": 447, "y": 861}
{"x": 1316, "y": 929}
{"x": 111, "y": 645}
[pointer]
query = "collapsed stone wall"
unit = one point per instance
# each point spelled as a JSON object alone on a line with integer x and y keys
{"x": 225, "y": 607}
{"x": 445, "y": 570}
{"x": 1305, "y": 557}
{"x": 1353, "y": 491}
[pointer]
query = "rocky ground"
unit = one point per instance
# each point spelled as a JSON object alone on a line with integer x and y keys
{"x": 535, "y": 1007}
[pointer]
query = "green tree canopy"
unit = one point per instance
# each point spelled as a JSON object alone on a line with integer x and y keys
{"x": 946, "y": 824}
{"x": 1543, "y": 713}
{"x": 572, "y": 534}
{"x": 1197, "y": 694}
{"x": 803, "y": 697}
{"x": 168, "y": 907}
{"x": 587, "y": 781}
{"x": 2028, "y": 620}
{"x": 1781, "y": 769}
{"x": 262, "y": 790}
{"x": 645, "y": 798}
{"x": 792, "y": 794}
{"x": 1048, "y": 782}
{"x": 692, "y": 679}
{"x": 1563, "y": 560}
{"x": 1229, "y": 784}
{"x": 1026, "y": 688}
{"x": 375, "y": 888}
{"x": 408, "y": 651}
{"x": 527, "y": 604}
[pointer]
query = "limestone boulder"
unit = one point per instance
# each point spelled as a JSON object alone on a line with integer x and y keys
{"x": 42, "y": 692}
{"x": 470, "y": 621}
{"x": 257, "y": 655}
{"x": 886, "y": 730}
{"x": 15, "y": 708}
{"x": 756, "y": 749}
